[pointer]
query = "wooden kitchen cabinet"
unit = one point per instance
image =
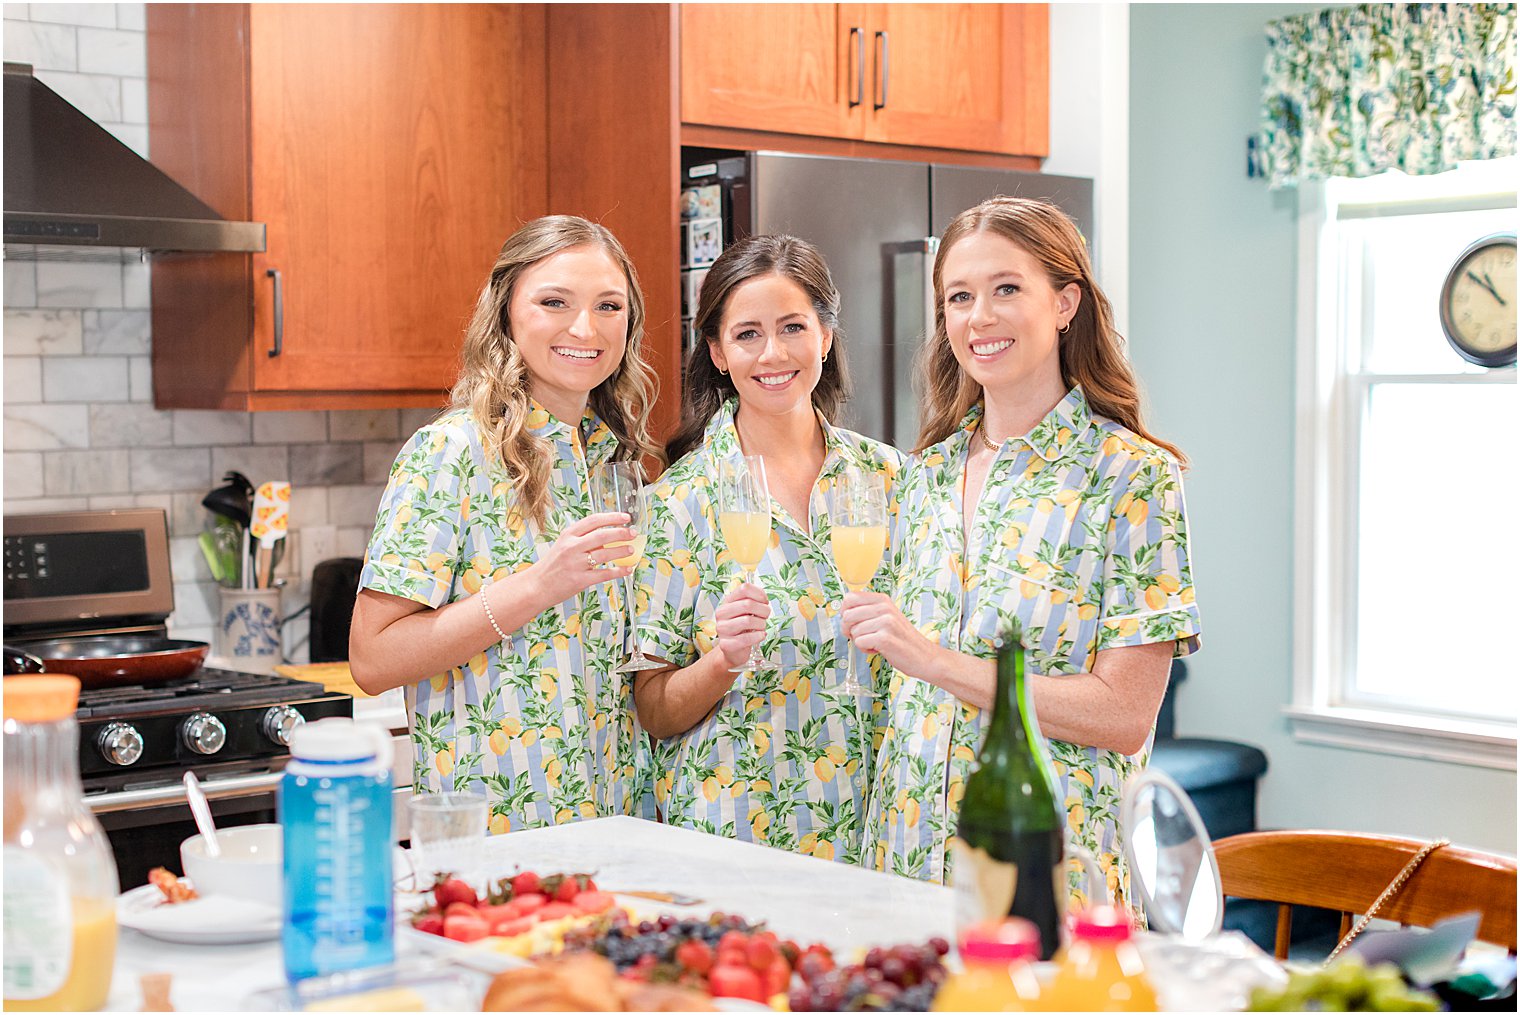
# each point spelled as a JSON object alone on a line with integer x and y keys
{"x": 968, "y": 77}
{"x": 390, "y": 149}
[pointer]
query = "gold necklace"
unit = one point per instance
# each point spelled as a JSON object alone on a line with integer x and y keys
{"x": 982, "y": 432}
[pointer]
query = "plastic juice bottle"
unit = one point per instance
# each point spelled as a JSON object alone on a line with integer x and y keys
{"x": 1101, "y": 970}
{"x": 996, "y": 974}
{"x": 60, "y": 877}
{"x": 335, "y": 805}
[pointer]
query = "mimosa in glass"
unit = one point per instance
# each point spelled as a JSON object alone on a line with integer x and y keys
{"x": 619, "y": 486}
{"x": 858, "y": 535}
{"x": 744, "y": 519}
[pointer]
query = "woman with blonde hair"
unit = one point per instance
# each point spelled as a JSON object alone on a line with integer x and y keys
{"x": 484, "y": 591}
{"x": 773, "y": 756}
{"x": 1036, "y": 493}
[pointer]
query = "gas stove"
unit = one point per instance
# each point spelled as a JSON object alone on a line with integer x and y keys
{"x": 107, "y": 573}
{"x": 217, "y": 723}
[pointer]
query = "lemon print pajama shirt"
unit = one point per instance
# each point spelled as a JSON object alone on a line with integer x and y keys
{"x": 781, "y": 760}
{"x": 1080, "y": 533}
{"x": 540, "y": 722}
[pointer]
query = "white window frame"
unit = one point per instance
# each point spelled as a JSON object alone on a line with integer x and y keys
{"x": 1327, "y": 441}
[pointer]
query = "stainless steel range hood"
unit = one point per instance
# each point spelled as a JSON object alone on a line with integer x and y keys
{"x": 69, "y": 182}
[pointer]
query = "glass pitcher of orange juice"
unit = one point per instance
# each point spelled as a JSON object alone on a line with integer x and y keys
{"x": 60, "y": 877}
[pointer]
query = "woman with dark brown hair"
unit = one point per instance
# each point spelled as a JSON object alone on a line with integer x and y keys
{"x": 484, "y": 588}
{"x": 772, "y": 756}
{"x": 1036, "y": 493}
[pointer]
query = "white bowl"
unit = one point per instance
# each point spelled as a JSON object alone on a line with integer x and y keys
{"x": 250, "y": 866}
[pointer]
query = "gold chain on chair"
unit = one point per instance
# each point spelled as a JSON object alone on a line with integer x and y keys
{"x": 1388, "y": 893}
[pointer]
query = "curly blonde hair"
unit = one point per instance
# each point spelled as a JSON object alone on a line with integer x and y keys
{"x": 1090, "y": 350}
{"x": 494, "y": 380}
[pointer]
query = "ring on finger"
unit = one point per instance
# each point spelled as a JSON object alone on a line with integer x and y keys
{"x": 590, "y": 560}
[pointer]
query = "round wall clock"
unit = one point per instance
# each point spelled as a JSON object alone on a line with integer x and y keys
{"x": 1478, "y": 302}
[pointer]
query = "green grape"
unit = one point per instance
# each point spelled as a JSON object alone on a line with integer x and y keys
{"x": 1348, "y": 985}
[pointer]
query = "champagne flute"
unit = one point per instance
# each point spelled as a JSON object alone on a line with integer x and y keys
{"x": 619, "y": 486}
{"x": 744, "y": 518}
{"x": 858, "y": 536}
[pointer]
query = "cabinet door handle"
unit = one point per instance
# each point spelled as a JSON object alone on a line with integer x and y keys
{"x": 882, "y": 71}
{"x": 279, "y": 313}
{"x": 859, "y": 39}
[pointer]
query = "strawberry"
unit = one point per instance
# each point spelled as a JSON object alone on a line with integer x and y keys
{"x": 465, "y": 928}
{"x": 496, "y": 913}
{"x": 429, "y": 923}
{"x": 453, "y": 890}
{"x": 556, "y": 910}
{"x": 761, "y": 953}
{"x": 778, "y": 977}
{"x": 567, "y": 890}
{"x": 511, "y": 927}
{"x": 736, "y": 981}
{"x": 734, "y": 938}
{"x": 585, "y": 883}
{"x": 530, "y": 903}
{"x": 694, "y": 955}
{"x": 593, "y": 902}
{"x": 526, "y": 883}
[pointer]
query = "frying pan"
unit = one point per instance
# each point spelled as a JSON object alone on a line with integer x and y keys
{"x": 107, "y": 660}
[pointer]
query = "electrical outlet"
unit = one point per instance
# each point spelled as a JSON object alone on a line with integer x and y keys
{"x": 318, "y": 543}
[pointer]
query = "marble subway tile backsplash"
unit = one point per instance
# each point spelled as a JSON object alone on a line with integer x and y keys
{"x": 80, "y": 428}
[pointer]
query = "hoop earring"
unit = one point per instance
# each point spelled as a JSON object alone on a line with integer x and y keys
{"x": 723, "y": 372}
{"x": 1067, "y": 328}
{"x": 825, "y": 357}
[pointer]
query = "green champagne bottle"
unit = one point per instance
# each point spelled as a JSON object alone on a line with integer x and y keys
{"x": 1007, "y": 852}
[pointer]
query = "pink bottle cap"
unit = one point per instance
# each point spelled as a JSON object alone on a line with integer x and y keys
{"x": 1000, "y": 941}
{"x": 1102, "y": 923}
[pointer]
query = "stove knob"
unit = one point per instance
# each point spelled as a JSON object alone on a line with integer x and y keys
{"x": 204, "y": 734}
{"x": 280, "y": 724}
{"x": 120, "y": 744}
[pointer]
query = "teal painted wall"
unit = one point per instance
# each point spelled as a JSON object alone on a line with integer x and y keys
{"x": 1213, "y": 270}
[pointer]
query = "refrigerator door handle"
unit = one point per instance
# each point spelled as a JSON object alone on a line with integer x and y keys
{"x": 882, "y": 71}
{"x": 858, "y": 37}
{"x": 931, "y": 251}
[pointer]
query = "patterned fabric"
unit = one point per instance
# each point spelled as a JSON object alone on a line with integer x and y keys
{"x": 1080, "y": 533}
{"x": 1355, "y": 91}
{"x": 781, "y": 760}
{"x": 540, "y": 722}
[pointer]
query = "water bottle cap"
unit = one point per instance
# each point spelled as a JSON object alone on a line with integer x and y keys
{"x": 1102, "y": 923}
{"x": 1006, "y": 940}
{"x": 333, "y": 739}
{"x": 41, "y": 698}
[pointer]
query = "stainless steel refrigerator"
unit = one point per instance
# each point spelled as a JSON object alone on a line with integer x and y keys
{"x": 876, "y": 223}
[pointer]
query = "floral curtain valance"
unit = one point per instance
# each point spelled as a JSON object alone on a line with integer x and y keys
{"x": 1355, "y": 91}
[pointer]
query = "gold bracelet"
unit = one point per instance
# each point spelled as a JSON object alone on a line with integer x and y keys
{"x": 492, "y": 617}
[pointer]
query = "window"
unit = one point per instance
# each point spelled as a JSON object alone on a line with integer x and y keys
{"x": 1408, "y": 477}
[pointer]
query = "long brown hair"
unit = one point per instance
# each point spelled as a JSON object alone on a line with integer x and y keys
{"x": 1090, "y": 350}
{"x": 705, "y": 389}
{"x": 494, "y": 382}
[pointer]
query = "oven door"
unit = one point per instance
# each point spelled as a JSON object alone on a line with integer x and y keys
{"x": 146, "y": 826}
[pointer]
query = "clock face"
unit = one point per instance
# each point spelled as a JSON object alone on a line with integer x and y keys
{"x": 1478, "y": 303}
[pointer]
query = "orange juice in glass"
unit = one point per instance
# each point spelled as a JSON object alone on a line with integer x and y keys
{"x": 858, "y": 536}
{"x": 744, "y": 519}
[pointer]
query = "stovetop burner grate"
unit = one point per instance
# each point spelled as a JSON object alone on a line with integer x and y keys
{"x": 206, "y": 688}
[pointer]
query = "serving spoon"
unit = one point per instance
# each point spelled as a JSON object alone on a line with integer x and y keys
{"x": 201, "y": 809}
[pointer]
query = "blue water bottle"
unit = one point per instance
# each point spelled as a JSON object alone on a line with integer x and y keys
{"x": 335, "y": 804}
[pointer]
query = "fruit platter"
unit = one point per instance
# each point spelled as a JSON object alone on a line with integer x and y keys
{"x": 528, "y": 917}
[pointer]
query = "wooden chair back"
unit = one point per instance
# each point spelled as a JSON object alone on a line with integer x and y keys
{"x": 1347, "y": 871}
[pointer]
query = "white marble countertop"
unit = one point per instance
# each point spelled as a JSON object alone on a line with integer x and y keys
{"x": 798, "y": 897}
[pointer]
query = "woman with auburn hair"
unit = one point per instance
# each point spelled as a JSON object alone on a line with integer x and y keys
{"x": 775, "y": 755}
{"x": 484, "y": 588}
{"x": 1036, "y": 492}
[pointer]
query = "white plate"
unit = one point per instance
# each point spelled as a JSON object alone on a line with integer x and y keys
{"x": 218, "y": 921}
